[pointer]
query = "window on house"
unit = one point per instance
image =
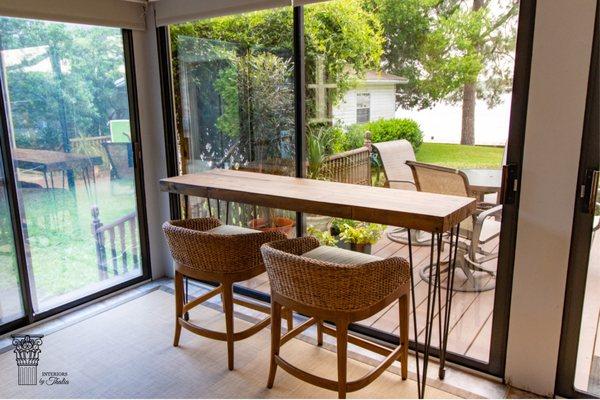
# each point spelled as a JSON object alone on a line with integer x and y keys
{"x": 363, "y": 107}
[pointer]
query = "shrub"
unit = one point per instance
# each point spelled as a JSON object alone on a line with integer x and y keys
{"x": 355, "y": 137}
{"x": 384, "y": 130}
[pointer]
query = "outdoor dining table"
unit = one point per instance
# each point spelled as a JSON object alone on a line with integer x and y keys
{"x": 484, "y": 181}
{"x": 48, "y": 162}
{"x": 433, "y": 213}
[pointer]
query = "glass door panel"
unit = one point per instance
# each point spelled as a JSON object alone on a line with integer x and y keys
{"x": 579, "y": 357}
{"x": 11, "y": 304}
{"x": 235, "y": 103}
{"x": 378, "y": 95}
{"x": 68, "y": 115}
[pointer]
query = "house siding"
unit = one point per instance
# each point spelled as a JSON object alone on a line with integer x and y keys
{"x": 383, "y": 104}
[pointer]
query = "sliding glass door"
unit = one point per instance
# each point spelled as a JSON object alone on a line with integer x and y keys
{"x": 73, "y": 145}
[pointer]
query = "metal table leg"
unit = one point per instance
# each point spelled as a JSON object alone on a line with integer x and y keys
{"x": 434, "y": 297}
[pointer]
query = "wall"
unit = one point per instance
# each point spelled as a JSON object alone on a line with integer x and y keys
{"x": 383, "y": 104}
{"x": 560, "y": 67}
{"x": 153, "y": 144}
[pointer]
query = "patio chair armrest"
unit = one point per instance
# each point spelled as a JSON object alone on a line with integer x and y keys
{"x": 495, "y": 211}
{"x": 485, "y": 205}
{"x": 478, "y": 226}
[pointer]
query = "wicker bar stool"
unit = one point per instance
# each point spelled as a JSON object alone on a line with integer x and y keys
{"x": 204, "y": 249}
{"x": 340, "y": 286}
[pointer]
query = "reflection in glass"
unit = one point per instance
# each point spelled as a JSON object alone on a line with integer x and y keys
{"x": 235, "y": 102}
{"x": 69, "y": 125}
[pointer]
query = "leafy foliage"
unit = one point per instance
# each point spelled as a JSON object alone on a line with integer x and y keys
{"x": 324, "y": 238}
{"x": 361, "y": 233}
{"x": 441, "y": 45}
{"x": 349, "y": 38}
{"x": 59, "y": 68}
{"x": 384, "y": 130}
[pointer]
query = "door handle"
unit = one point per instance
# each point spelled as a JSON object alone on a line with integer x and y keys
{"x": 508, "y": 193}
{"x": 592, "y": 178}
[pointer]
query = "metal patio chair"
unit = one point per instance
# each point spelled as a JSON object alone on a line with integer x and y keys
{"x": 393, "y": 155}
{"x": 475, "y": 232}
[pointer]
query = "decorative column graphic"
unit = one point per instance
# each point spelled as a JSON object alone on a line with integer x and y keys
{"x": 27, "y": 351}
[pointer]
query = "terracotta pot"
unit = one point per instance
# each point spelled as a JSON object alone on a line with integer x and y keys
{"x": 282, "y": 224}
{"x": 362, "y": 248}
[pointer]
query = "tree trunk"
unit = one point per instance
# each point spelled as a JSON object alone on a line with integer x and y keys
{"x": 467, "y": 134}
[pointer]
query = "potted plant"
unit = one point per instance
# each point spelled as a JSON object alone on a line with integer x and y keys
{"x": 357, "y": 236}
{"x": 324, "y": 237}
{"x": 273, "y": 223}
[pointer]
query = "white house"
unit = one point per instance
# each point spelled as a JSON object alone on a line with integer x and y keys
{"x": 373, "y": 98}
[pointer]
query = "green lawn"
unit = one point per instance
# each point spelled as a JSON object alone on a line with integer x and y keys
{"x": 460, "y": 156}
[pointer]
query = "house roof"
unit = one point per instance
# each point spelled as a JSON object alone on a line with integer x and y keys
{"x": 378, "y": 77}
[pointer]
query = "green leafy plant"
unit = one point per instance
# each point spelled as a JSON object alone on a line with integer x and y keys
{"x": 315, "y": 154}
{"x": 324, "y": 238}
{"x": 384, "y": 130}
{"x": 355, "y": 232}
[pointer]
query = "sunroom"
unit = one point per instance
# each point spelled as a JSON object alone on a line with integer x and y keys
{"x": 402, "y": 195}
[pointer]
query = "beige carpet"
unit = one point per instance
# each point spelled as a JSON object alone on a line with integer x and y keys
{"x": 128, "y": 352}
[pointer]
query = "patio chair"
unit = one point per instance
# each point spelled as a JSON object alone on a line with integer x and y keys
{"x": 206, "y": 250}
{"x": 341, "y": 286}
{"x": 120, "y": 156}
{"x": 475, "y": 232}
{"x": 393, "y": 155}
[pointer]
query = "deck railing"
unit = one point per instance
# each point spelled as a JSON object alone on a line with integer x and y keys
{"x": 122, "y": 242}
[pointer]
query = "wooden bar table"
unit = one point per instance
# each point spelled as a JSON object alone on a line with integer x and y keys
{"x": 429, "y": 212}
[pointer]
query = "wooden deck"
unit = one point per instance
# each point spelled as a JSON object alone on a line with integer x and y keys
{"x": 471, "y": 319}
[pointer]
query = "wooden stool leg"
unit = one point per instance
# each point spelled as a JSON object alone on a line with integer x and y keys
{"x": 178, "y": 306}
{"x": 228, "y": 307}
{"x": 275, "y": 340}
{"x": 404, "y": 313}
{"x": 342, "y": 357}
{"x": 319, "y": 333}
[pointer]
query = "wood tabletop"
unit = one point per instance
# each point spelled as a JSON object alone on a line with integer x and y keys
{"x": 52, "y": 160}
{"x": 416, "y": 210}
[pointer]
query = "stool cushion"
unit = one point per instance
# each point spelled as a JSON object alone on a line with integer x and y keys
{"x": 231, "y": 230}
{"x": 340, "y": 256}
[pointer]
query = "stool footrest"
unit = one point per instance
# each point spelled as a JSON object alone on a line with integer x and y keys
{"x": 198, "y": 330}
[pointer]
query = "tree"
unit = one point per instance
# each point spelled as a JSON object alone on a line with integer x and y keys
{"x": 62, "y": 81}
{"x": 450, "y": 50}
{"x": 348, "y": 37}
{"x": 236, "y": 75}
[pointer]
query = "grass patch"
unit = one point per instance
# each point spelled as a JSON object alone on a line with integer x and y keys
{"x": 60, "y": 241}
{"x": 460, "y": 156}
